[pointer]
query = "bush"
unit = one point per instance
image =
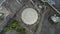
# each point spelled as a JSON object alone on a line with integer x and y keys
{"x": 14, "y": 26}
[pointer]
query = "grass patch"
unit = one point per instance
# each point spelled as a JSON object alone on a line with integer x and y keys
{"x": 14, "y": 25}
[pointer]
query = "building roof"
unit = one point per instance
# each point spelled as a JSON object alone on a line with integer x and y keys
{"x": 55, "y": 18}
{"x": 1, "y": 1}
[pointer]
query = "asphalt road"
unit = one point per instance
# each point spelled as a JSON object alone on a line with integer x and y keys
{"x": 47, "y": 28}
{"x": 12, "y": 7}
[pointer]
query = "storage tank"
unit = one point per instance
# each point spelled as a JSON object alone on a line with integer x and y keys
{"x": 29, "y": 16}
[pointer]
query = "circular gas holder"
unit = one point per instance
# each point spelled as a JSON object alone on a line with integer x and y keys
{"x": 29, "y": 16}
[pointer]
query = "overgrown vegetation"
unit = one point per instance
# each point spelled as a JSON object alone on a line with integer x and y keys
{"x": 41, "y": 2}
{"x": 14, "y": 26}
